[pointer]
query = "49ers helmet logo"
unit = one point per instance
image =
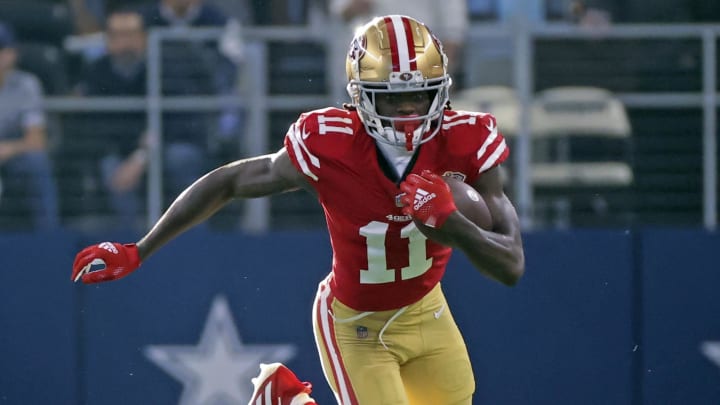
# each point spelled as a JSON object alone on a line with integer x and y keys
{"x": 357, "y": 47}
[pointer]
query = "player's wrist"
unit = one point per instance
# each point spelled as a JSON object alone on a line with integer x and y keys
{"x": 444, "y": 215}
{"x": 133, "y": 254}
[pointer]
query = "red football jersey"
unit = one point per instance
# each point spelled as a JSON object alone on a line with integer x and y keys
{"x": 381, "y": 260}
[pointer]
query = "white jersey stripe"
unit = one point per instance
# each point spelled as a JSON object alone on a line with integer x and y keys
{"x": 493, "y": 157}
{"x": 332, "y": 351}
{"x": 319, "y": 335}
{"x": 471, "y": 120}
{"x": 488, "y": 141}
{"x": 464, "y": 115}
{"x": 402, "y": 43}
{"x": 298, "y": 147}
{"x": 268, "y": 394}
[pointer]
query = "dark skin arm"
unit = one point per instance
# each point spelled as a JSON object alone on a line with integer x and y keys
{"x": 497, "y": 253}
{"x": 247, "y": 178}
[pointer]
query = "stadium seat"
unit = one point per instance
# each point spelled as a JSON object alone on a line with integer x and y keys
{"x": 582, "y": 156}
{"x": 501, "y": 101}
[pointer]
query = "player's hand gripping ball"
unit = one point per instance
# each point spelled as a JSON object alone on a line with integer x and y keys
{"x": 119, "y": 261}
{"x": 430, "y": 199}
{"x": 427, "y": 199}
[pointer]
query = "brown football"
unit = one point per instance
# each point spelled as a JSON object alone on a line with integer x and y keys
{"x": 469, "y": 202}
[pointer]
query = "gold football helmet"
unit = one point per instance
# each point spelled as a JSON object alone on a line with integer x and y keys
{"x": 396, "y": 53}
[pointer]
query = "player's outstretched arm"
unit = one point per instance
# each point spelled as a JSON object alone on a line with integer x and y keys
{"x": 247, "y": 178}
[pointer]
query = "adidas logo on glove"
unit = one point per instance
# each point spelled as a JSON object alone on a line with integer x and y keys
{"x": 421, "y": 198}
{"x": 109, "y": 247}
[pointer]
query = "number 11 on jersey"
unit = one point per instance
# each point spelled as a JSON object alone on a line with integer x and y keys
{"x": 377, "y": 272}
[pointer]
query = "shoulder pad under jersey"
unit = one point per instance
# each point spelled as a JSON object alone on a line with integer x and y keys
{"x": 319, "y": 135}
{"x": 475, "y": 136}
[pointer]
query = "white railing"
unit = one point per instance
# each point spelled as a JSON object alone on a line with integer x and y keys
{"x": 257, "y": 102}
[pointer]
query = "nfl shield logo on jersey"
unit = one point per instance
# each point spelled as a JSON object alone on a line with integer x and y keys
{"x": 362, "y": 332}
{"x": 399, "y": 203}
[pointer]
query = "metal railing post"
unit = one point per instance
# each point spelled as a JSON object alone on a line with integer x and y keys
{"x": 709, "y": 130}
{"x": 523, "y": 72}
{"x": 256, "y": 216}
{"x": 154, "y": 128}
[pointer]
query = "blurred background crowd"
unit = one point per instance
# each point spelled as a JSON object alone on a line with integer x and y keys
{"x": 82, "y": 147}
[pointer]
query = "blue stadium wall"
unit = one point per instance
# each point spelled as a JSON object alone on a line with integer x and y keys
{"x": 601, "y": 317}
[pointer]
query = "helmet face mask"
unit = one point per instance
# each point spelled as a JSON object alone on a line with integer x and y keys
{"x": 397, "y": 54}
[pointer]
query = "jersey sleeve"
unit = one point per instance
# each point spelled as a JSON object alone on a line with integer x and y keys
{"x": 317, "y": 138}
{"x": 493, "y": 150}
{"x": 475, "y": 137}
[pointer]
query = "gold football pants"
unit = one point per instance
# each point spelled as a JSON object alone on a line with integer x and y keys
{"x": 414, "y": 355}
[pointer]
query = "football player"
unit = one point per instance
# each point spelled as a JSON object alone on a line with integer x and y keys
{"x": 382, "y": 325}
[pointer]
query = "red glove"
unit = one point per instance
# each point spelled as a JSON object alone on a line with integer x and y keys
{"x": 427, "y": 198}
{"x": 119, "y": 260}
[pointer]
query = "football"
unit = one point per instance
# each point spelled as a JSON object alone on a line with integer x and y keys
{"x": 469, "y": 202}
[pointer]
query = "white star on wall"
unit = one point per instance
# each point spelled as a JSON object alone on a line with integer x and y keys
{"x": 218, "y": 370}
{"x": 711, "y": 350}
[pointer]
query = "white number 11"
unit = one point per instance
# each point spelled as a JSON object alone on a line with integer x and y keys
{"x": 377, "y": 272}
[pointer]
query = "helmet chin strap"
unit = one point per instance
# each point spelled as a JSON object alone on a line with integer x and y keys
{"x": 409, "y": 132}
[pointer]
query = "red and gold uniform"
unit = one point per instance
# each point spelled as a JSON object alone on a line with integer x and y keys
{"x": 382, "y": 305}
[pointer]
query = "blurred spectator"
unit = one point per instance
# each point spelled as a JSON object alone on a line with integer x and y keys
{"x": 239, "y": 10}
{"x": 176, "y": 13}
{"x": 27, "y": 177}
{"x": 490, "y": 59}
{"x": 211, "y": 65}
{"x": 197, "y": 13}
{"x": 591, "y": 14}
{"x": 122, "y": 160}
{"x": 123, "y": 72}
{"x": 448, "y": 18}
{"x": 88, "y": 15}
{"x": 280, "y": 12}
{"x": 220, "y": 60}
{"x": 590, "y": 17}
